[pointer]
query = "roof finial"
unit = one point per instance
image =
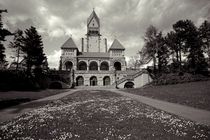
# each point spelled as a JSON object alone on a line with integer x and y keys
{"x": 115, "y": 36}
{"x": 93, "y": 8}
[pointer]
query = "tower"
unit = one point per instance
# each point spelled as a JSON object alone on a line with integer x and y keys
{"x": 69, "y": 52}
{"x": 93, "y": 33}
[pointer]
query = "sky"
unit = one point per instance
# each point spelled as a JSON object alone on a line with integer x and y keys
{"x": 126, "y": 20}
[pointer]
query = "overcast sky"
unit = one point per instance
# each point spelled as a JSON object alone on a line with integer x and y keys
{"x": 126, "y": 20}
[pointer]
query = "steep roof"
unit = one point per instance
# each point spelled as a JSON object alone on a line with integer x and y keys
{"x": 116, "y": 45}
{"x": 93, "y": 14}
{"x": 93, "y": 54}
{"x": 69, "y": 44}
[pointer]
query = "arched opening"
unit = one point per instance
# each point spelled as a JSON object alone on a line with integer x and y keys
{"x": 79, "y": 81}
{"x": 106, "y": 81}
{"x": 93, "y": 65}
{"x": 55, "y": 85}
{"x": 129, "y": 85}
{"x": 104, "y": 66}
{"x": 82, "y": 65}
{"x": 117, "y": 66}
{"x": 93, "y": 81}
{"x": 69, "y": 65}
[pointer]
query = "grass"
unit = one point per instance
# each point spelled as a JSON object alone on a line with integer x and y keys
{"x": 100, "y": 115}
{"x": 194, "y": 94}
{"x": 12, "y": 98}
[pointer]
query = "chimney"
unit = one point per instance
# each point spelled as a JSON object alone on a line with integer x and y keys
{"x": 82, "y": 45}
{"x": 105, "y": 41}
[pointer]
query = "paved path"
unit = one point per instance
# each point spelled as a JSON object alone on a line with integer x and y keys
{"x": 194, "y": 114}
{"x": 12, "y": 112}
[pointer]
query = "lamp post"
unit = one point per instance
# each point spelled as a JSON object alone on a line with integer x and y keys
{"x": 73, "y": 84}
{"x": 115, "y": 75}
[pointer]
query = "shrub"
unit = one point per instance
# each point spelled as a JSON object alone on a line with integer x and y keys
{"x": 175, "y": 78}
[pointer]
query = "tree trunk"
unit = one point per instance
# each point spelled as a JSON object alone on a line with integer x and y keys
{"x": 18, "y": 56}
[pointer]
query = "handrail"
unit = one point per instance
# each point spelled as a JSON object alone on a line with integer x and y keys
{"x": 130, "y": 77}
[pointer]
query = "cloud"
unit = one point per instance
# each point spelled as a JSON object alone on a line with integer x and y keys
{"x": 126, "y": 20}
{"x": 54, "y": 58}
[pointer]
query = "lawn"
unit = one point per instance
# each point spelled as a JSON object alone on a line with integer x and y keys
{"x": 194, "y": 94}
{"x": 11, "y": 98}
{"x": 101, "y": 115}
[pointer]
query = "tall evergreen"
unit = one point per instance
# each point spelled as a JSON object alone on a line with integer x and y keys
{"x": 33, "y": 48}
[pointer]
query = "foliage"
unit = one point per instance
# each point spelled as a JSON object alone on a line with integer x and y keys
{"x": 204, "y": 32}
{"x": 175, "y": 78}
{"x": 17, "y": 45}
{"x": 17, "y": 80}
{"x": 3, "y": 34}
{"x": 181, "y": 50}
{"x": 151, "y": 44}
{"x": 162, "y": 53}
{"x": 33, "y": 48}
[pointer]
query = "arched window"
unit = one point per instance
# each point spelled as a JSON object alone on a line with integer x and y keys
{"x": 106, "y": 81}
{"x": 104, "y": 66}
{"x": 69, "y": 65}
{"x": 93, "y": 81}
{"x": 117, "y": 66}
{"x": 79, "y": 81}
{"x": 82, "y": 65}
{"x": 93, "y": 65}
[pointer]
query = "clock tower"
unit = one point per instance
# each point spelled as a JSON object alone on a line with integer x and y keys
{"x": 93, "y": 33}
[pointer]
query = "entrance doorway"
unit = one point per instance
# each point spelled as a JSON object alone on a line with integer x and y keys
{"x": 79, "y": 81}
{"x": 106, "y": 81}
{"x": 93, "y": 81}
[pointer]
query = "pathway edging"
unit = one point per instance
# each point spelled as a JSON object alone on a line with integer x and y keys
{"x": 9, "y": 113}
{"x": 194, "y": 114}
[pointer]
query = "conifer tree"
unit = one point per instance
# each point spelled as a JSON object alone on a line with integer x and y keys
{"x": 33, "y": 48}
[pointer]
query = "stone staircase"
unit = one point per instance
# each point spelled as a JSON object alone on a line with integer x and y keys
{"x": 130, "y": 77}
{"x": 95, "y": 87}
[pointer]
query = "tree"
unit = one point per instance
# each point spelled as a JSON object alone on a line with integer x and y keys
{"x": 17, "y": 45}
{"x": 150, "y": 47}
{"x": 134, "y": 62}
{"x": 204, "y": 33}
{"x": 178, "y": 39}
{"x": 189, "y": 43}
{"x": 3, "y": 34}
{"x": 33, "y": 48}
{"x": 196, "y": 60}
{"x": 162, "y": 53}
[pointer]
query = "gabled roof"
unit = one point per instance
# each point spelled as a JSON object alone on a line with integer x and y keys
{"x": 94, "y": 54}
{"x": 69, "y": 44}
{"x": 116, "y": 45}
{"x": 93, "y": 14}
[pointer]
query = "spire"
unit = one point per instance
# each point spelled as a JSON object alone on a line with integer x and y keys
{"x": 69, "y": 44}
{"x": 93, "y": 15}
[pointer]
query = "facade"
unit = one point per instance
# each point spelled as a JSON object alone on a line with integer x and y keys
{"x": 95, "y": 64}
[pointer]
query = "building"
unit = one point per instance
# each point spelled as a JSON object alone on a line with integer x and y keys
{"x": 95, "y": 64}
